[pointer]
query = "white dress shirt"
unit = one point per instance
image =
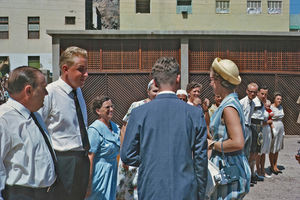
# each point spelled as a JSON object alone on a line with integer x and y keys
{"x": 259, "y": 110}
{"x": 59, "y": 114}
{"x": 25, "y": 159}
{"x": 248, "y": 108}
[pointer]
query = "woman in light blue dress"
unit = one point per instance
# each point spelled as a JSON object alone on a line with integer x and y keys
{"x": 228, "y": 130}
{"x": 104, "y": 137}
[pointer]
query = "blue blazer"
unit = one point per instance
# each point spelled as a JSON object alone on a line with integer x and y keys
{"x": 166, "y": 139}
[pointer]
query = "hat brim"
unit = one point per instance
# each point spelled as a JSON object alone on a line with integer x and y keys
{"x": 220, "y": 69}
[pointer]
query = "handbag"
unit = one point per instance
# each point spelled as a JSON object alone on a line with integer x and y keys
{"x": 212, "y": 171}
{"x": 228, "y": 173}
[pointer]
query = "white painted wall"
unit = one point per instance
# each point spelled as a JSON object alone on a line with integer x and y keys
{"x": 52, "y": 17}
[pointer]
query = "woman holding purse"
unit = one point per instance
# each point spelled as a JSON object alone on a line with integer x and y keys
{"x": 228, "y": 131}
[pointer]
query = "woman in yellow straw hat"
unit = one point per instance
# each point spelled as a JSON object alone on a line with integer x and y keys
{"x": 228, "y": 131}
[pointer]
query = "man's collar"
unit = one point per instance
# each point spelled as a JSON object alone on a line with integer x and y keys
{"x": 166, "y": 92}
{"x": 19, "y": 107}
{"x": 65, "y": 86}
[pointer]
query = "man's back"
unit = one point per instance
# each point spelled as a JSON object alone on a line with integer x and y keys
{"x": 162, "y": 137}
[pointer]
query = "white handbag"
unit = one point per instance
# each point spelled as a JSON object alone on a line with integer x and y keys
{"x": 212, "y": 170}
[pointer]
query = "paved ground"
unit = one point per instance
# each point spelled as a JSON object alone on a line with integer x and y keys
{"x": 285, "y": 185}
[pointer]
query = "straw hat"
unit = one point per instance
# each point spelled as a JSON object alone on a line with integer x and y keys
{"x": 227, "y": 70}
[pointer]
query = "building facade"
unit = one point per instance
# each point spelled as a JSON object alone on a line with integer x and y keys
{"x": 23, "y": 25}
{"x": 205, "y": 15}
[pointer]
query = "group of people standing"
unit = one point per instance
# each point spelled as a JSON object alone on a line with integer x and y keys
{"x": 264, "y": 130}
{"x": 47, "y": 150}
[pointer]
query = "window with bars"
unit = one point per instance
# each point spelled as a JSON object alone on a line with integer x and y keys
{"x": 3, "y": 27}
{"x": 142, "y": 6}
{"x": 222, "y": 7}
{"x": 253, "y": 7}
{"x": 33, "y": 27}
{"x": 274, "y": 7}
{"x": 184, "y": 6}
{"x": 70, "y": 20}
{"x": 34, "y": 61}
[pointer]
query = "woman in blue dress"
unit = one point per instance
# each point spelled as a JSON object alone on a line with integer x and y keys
{"x": 228, "y": 129}
{"x": 104, "y": 137}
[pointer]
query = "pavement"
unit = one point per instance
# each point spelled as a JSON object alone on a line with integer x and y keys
{"x": 285, "y": 185}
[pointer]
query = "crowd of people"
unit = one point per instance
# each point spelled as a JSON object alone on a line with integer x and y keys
{"x": 162, "y": 149}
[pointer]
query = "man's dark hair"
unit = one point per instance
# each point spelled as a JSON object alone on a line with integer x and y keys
{"x": 264, "y": 87}
{"x": 192, "y": 85}
{"x": 20, "y": 77}
{"x": 165, "y": 71}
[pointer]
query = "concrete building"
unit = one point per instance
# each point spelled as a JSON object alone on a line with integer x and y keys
{"x": 205, "y": 15}
{"x": 23, "y": 25}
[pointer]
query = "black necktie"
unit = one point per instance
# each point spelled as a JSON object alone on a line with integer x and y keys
{"x": 83, "y": 132}
{"x": 45, "y": 138}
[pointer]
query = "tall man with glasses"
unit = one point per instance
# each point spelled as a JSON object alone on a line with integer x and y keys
{"x": 248, "y": 107}
{"x": 65, "y": 115}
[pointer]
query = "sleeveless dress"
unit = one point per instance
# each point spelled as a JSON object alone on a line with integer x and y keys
{"x": 240, "y": 188}
{"x": 277, "y": 141}
{"x": 105, "y": 144}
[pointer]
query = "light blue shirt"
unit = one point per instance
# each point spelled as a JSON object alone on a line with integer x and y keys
{"x": 59, "y": 114}
{"x": 24, "y": 155}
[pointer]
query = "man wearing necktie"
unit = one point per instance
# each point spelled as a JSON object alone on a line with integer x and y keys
{"x": 27, "y": 160}
{"x": 248, "y": 108}
{"x": 65, "y": 115}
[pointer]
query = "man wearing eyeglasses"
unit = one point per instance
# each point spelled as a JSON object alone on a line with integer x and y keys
{"x": 248, "y": 107}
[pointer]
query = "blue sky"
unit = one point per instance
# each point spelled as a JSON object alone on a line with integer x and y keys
{"x": 294, "y": 6}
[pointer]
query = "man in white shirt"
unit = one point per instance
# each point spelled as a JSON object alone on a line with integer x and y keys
{"x": 257, "y": 121}
{"x": 27, "y": 160}
{"x": 65, "y": 115}
{"x": 248, "y": 108}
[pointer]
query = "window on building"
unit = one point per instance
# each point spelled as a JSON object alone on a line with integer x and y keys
{"x": 274, "y": 7}
{"x": 184, "y": 6}
{"x": 222, "y": 7}
{"x": 33, "y": 27}
{"x": 34, "y": 61}
{"x": 253, "y": 7}
{"x": 3, "y": 27}
{"x": 142, "y": 6}
{"x": 70, "y": 20}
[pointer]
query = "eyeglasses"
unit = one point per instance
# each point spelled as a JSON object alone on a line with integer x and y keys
{"x": 108, "y": 107}
{"x": 254, "y": 92}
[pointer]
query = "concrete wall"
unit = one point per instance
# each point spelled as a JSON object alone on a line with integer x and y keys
{"x": 163, "y": 16}
{"x": 52, "y": 16}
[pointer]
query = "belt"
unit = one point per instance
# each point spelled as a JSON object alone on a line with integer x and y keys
{"x": 71, "y": 153}
{"x": 256, "y": 121}
{"x": 30, "y": 189}
{"x": 234, "y": 153}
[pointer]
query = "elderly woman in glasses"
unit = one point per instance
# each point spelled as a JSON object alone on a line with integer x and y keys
{"x": 104, "y": 137}
{"x": 227, "y": 127}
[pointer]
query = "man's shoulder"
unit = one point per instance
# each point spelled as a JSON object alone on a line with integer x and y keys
{"x": 244, "y": 99}
{"x": 52, "y": 86}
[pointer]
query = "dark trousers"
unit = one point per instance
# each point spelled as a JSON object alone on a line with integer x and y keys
{"x": 73, "y": 171}
{"x": 16, "y": 192}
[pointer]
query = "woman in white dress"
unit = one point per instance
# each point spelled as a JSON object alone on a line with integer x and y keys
{"x": 267, "y": 137}
{"x": 277, "y": 141}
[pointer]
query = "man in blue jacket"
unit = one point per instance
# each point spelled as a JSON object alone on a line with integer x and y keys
{"x": 166, "y": 139}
